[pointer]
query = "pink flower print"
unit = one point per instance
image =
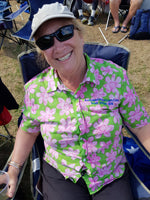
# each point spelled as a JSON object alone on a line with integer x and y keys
{"x": 142, "y": 123}
{"x": 48, "y": 128}
{"x": 104, "y": 171}
{"x": 85, "y": 124}
{"x": 50, "y": 142}
{"x": 64, "y": 163}
{"x": 120, "y": 159}
{"x": 68, "y": 139}
{"x": 122, "y": 111}
{"x": 89, "y": 145}
{"x": 51, "y": 83}
{"x": 33, "y": 130}
{"x": 98, "y": 77}
{"x": 53, "y": 153}
{"x": 27, "y": 100}
{"x": 99, "y": 60}
{"x": 53, "y": 163}
{"x": 98, "y": 93}
{"x": 118, "y": 133}
{"x": 104, "y": 145}
{"x": 72, "y": 153}
{"x": 116, "y": 116}
{"x": 82, "y": 105}
{"x": 32, "y": 88}
{"x": 65, "y": 106}
{"x": 80, "y": 93}
{"x": 67, "y": 126}
{"x": 98, "y": 110}
{"x": 115, "y": 99}
{"x": 119, "y": 170}
{"x": 129, "y": 97}
{"x": 107, "y": 70}
{"x": 69, "y": 173}
{"x": 145, "y": 113}
{"x": 47, "y": 115}
{"x": 44, "y": 97}
{"x": 125, "y": 77}
{"x": 107, "y": 181}
{"x": 135, "y": 115}
{"x": 94, "y": 160}
{"x": 34, "y": 107}
{"x": 94, "y": 183}
{"x": 92, "y": 68}
{"x": 111, "y": 156}
{"x": 116, "y": 142}
{"x": 102, "y": 127}
{"x": 112, "y": 84}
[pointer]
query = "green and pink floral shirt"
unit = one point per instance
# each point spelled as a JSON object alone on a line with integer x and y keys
{"x": 82, "y": 130}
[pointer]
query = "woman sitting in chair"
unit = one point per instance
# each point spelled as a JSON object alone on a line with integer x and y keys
{"x": 79, "y": 105}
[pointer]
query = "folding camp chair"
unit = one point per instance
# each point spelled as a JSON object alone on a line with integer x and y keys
{"x": 30, "y": 66}
{"x": 7, "y": 21}
{"x": 123, "y": 11}
{"x": 25, "y": 32}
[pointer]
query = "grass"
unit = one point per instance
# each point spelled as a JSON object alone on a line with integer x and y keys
{"x": 138, "y": 71}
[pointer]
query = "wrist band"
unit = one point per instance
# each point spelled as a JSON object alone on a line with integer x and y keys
{"x": 14, "y": 164}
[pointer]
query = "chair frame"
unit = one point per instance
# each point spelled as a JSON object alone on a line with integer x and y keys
{"x": 10, "y": 18}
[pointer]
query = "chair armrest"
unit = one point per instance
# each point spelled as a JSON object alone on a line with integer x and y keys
{"x": 13, "y": 15}
{"x": 4, "y": 9}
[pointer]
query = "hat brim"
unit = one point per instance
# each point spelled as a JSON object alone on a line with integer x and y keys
{"x": 49, "y": 18}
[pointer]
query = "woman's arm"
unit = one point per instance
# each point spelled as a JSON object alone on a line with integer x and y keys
{"x": 23, "y": 146}
{"x": 143, "y": 134}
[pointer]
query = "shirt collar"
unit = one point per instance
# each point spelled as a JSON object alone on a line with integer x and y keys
{"x": 53, "y": 80}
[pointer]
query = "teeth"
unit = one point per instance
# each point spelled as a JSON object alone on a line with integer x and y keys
{"x": 65, "y": 57}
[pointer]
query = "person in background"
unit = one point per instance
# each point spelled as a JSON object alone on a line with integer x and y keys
{"x": 114, "y": 7}
{"x": 84, "y": 19}
{"x": 78, "y": 104}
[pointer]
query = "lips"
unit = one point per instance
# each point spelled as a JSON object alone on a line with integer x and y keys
{"x": 65, "y": 57}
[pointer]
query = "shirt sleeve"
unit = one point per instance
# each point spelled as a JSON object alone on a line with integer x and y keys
{"x": 29, "y": 120}
{"x": 131, "y": 108}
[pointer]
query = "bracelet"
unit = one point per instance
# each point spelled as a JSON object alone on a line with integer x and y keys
{"x": 14, "y": 164}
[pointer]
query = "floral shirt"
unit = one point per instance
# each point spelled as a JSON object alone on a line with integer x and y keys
{"x": 82, "y": 130}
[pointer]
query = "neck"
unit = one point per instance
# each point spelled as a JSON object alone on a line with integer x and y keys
{"x": 72, "y": 81}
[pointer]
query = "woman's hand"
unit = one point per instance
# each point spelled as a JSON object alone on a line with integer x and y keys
{"x": 13, "y": 178}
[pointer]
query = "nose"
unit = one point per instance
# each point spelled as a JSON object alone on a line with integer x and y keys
{"x": 57, "y": 43}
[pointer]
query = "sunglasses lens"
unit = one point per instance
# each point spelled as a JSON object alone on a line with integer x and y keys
{"x": 65, "y": 33}
{"x": 45, "y": 42}
{"x": 62, "y": 34}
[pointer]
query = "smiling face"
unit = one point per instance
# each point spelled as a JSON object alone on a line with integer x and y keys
{"x": 67, "y": 56}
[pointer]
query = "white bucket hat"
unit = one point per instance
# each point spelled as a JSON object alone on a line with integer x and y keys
{"x": 47, "y": 12}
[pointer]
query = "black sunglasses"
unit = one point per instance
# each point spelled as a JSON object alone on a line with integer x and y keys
{"x": 62, "y": 34}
